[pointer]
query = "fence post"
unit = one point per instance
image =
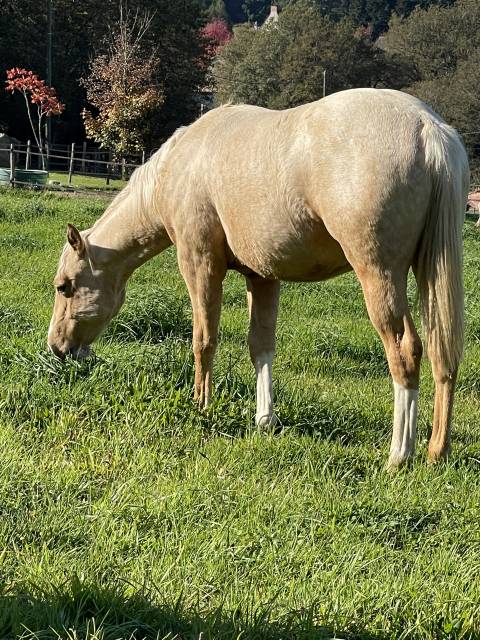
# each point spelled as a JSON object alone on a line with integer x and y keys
{"x": 47, "y": 147}
{"x": 12, "y": 166}
{"x": 70, "y": 168}
{"x": 123, "y": 169}
{"x": 143, "y": 156}
{"x": 84, "y": 153}
{"x": 27, "y": 157}
{"x": 109, "y": 167}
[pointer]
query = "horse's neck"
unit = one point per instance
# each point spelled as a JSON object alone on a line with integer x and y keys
{"x": 129, "y": 234}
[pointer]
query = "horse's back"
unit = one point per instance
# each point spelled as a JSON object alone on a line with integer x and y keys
{"x": 302, "y": 193}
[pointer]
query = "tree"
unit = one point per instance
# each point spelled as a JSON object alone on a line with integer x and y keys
{"x": 434, "y": 40}
{"x": 374, "y": 13}
{"x": 377, "y": 13}
{"x": 217, "y": 35}
{"x": 42, "y": 96}
{"x": 255, "y": 10}
{"x": 246, "y": 68}
{"x": 282, "y": 65}
{"x": 182, "y": 69}
{"x": 122, "y": 87}
{"x": 441, "y": 44}
{"x": 23, "y": 43}
{"x": 455, "y": 96}
{"x": 215, "y": 9}
{"x": 79, "y": 27}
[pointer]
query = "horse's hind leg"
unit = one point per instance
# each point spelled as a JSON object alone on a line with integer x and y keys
{"x": 263, "y": 298}
{"x": 439, "y": 445}
{"x": 445, "y": 376}
{"x": 203, "y": 273}
{"x": 387, "y": 305}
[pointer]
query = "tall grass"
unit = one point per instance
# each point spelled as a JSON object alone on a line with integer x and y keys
{"x": 126, "y": 513}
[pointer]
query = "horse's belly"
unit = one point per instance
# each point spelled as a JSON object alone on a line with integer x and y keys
{"x": 320, "y": 270}
{"x": 308, "y": 253}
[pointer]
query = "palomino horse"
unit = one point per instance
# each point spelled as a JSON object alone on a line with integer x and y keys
{"x": 365, "y": 179}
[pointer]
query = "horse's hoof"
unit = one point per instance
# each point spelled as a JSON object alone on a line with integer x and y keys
{"x": 436, "y": 455}
{"x": 396, "y": 462}
{"x": 265, "y": 422}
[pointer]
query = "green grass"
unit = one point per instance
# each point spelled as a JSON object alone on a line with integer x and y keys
{"x": 87, "y": 182}
{"x": 126, "y": 513}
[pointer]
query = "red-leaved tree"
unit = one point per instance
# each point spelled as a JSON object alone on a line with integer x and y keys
{"x": 217, "y": 35}
{"x": 38, "y": 93}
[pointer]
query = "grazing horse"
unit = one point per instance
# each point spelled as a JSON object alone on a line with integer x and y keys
{"x": 366, "y": 179}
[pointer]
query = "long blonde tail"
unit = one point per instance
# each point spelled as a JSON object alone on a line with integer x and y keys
{"x": 440, "y": 257}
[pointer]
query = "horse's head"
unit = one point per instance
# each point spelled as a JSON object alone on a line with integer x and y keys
{"x": 89, "y": 293}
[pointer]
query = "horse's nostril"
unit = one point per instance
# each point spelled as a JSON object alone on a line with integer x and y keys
{"x": 56, "y": 351}
{"x": 79, "y": 353}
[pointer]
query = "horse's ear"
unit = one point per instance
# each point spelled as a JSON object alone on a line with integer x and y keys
{"x": 75, "y": 239}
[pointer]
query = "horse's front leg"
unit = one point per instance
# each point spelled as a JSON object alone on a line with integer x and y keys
{"x": 263, "y": 298}
{"x": 204, "y": 273}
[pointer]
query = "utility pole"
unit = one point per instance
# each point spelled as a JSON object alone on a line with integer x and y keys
{"x": 48, "y": 126}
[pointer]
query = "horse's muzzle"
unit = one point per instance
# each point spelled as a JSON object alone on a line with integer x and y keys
{"x": 77, "y": 353}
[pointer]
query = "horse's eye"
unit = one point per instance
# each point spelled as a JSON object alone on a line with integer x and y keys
{"x": 62, "y": 288}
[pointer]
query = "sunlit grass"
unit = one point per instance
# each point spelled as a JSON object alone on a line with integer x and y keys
{"x": 126, "y": 513}
{"x": 87, "y": 182}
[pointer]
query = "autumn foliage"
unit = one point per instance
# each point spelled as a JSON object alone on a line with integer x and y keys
{"x": 39, "y": 94}
{"x": 217, "y": 35}
{"x": 42, "y": 95}
{"x": 123, "y": 89}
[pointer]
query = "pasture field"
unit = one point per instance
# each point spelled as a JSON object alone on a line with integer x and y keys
{"x": 87, "y": 182}
{"x": 126, "y": 513}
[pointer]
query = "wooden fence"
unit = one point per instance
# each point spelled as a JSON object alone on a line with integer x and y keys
{"x": 73, "y": 159}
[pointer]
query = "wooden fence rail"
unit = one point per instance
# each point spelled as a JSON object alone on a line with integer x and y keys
{"x": 72, "y": 163}
{"x": 84, "y": 151}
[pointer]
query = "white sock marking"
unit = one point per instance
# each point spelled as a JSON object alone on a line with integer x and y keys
{"x": 404, "y": 425}
{"x": 263, "y": 367}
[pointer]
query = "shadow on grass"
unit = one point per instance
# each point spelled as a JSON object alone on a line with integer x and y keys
{"x": 333, "y": 421}
{"x": 80, "y": 611}
{"x": 151, "y": 317}
{"x": 341, "y": 357}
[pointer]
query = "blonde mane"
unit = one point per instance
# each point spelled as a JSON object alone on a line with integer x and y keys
{"x": 143, "y": 182}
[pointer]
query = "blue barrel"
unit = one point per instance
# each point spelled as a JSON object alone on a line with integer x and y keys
{"x": 4, "y": 176}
